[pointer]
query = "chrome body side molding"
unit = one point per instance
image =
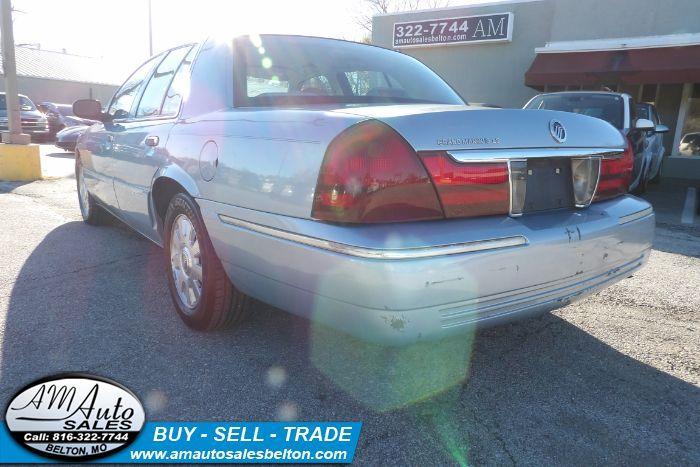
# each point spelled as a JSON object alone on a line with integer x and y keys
{"x": 635, "y": 215}
{"x": 376, "y": 253}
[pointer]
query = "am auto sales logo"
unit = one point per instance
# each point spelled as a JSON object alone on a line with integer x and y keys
{"x": 75, "y": 417}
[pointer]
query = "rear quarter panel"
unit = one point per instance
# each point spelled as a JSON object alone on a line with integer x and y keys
{"x": 268, "y": 159}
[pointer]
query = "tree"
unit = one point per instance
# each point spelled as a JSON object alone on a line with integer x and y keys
{"x": 371, "y": 8}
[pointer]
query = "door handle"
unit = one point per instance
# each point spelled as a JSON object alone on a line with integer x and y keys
{"x": 152, "y": 141}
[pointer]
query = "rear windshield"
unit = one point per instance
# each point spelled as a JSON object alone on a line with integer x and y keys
{"x": 604, "y": 106}
{"x": 290, "y": 70}
{"x": 24, "y": 103}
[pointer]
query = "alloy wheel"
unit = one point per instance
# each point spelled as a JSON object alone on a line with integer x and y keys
{"x": 186, "y": 261}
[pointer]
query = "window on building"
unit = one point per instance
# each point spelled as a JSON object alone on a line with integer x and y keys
{"x": 153, "y": 95}
{"x": 690, "y": 135}
{"x": 649, "y": 93}
{"x": 123, "y": 100}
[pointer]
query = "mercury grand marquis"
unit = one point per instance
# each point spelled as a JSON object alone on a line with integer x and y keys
{"x": 350, "y": 184}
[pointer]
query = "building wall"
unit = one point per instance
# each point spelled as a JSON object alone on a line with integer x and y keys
{"x": 484, "y": 73}
{"x": 596, "y": 19}
{"x": 495, "y": 73}
{"x": 62, "y": 92}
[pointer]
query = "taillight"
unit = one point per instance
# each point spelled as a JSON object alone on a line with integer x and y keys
{"x": 469, "y": 189}
{"x": 371, "y": 174}
{"x": 615, "y": 175}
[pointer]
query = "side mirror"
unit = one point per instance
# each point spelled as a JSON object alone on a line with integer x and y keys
{"x": 90, "y": 109}
{"x": 644, "y": 124}
{"x": 662, "y": 128}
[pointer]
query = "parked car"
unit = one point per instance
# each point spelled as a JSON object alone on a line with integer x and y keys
{"x": 34, "y": 123}
{"x": 68, "y": 137}
{"x": 654, "y": 139}
{"x": 690, "y": 144}
{"x": 620, "y": 110}
{"x": 60, "y": 116}
{"x": 350, "y": 184}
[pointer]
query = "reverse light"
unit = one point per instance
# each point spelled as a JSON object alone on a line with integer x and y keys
{"x": 615, "y": 174}
{"x": 468, "y": 189}
{"x": 584, "y": 174}
{"x": 371, "y": 174}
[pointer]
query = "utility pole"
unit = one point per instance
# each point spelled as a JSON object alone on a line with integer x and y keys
{"x": 14, "y": 135}
{"x": 150, "y": 30}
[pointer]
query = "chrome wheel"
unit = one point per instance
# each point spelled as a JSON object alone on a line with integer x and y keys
{"x": 84, "y": 196}
{"x": 186, "y": 261}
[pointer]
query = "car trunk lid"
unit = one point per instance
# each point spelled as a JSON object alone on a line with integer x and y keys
{"x": 450, "y": 127}
{"x": 496, "y": 161}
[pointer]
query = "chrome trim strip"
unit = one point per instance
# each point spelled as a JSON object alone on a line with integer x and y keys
{"x": 501, "y": 155}
{"x": 635, "y": 216}
{"x": 511, "y": 213}
{"x": 376, "y": 253}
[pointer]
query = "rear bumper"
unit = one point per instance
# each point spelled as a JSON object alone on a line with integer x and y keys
{"x": 565, "y": 257}
{"x": 31, "y": 128}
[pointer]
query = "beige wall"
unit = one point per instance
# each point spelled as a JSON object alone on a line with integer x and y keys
{"x": 494, "y": 73}
{"x": 491, "y": 73}
{"x": 61, "y": 92}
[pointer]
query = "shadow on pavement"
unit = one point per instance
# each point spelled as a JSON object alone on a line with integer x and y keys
{"x": 542, "y": 391}
{"x": 62, "y": 155}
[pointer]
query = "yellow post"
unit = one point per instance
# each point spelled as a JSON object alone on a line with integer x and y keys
{"x": 20, "y": 162}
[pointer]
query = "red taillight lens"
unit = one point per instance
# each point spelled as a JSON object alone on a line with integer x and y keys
{"x": 615, "y": 175}
{"x": 469, "y": 189}
{"x": 371, "y": 174}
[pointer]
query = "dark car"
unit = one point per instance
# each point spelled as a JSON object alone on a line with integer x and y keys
{"x": 34, "y": 123}
{"x": 67, "y": 137}
{"x": 60, "y": 116}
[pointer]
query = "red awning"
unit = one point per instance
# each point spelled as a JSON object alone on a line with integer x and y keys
{"x": 660, "y": 65}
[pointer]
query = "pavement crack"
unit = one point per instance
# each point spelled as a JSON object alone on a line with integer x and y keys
{"x": 495, "y": 433}
{"x": 81, "y": 269}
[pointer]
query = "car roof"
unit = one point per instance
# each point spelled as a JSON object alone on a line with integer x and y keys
{"x": 611, "y": 93}
{"x": 21, "y": 95}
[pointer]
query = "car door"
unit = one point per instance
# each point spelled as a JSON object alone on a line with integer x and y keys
{"x": 639, "y": 143}
{"x": 139, "y": 145}
{"x": 97, "y": 154}
{"x": 656, "y": 143}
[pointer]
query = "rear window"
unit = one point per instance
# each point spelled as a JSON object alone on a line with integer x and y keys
{"x": 292, "y": 70}
{"x": 604, "y": 106}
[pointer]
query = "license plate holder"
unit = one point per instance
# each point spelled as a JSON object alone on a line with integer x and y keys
{"x": 549, "y": 185}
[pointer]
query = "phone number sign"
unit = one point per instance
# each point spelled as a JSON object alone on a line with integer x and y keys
{"x": 448, "y": 31}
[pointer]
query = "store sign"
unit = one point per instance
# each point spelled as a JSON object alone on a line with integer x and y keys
{"x": 449, "y": 31}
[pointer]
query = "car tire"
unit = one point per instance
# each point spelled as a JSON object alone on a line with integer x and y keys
{"x": 202, "y": 293}
{"x": 91, "y": 212}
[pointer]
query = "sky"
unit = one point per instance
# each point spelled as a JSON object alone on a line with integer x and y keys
{"x": 118, "y": 29}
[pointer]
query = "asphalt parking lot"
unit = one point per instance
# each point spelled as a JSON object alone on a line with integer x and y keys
{"x": 612, "y": 379}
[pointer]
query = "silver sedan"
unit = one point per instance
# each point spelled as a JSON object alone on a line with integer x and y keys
{"x": 350, "y": 184}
